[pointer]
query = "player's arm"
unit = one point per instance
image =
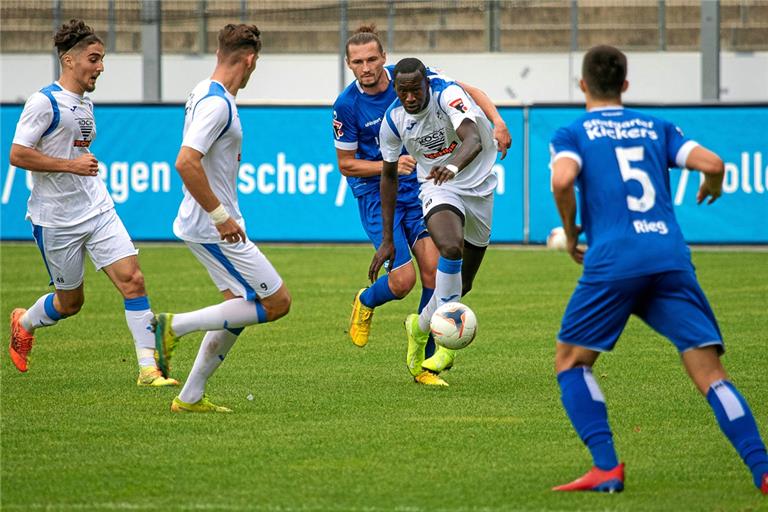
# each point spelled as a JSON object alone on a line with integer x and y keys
{"x": 470, "y": 147}
{"x": 189, "y": 164}
{"x": 388, "y": 192}
{"x": 711, "y": 165}
{"x": 500, "y": 130}
{"x": 350, "y": 165}
{"x": 564, "y": 173}
{"x": 33, "y": 160}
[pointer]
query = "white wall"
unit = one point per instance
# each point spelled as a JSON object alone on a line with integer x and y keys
{"x": 658, "y": 77}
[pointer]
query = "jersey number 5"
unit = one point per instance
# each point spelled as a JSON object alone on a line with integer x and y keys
{"x": 625, "y": 157}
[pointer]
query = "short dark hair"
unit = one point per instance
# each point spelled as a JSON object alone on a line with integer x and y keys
{"x": 363, "y": 35}
{"x": 409, "y": 65}
{"x": 604, "y": 70}
{"x": 74, "y": 33}
{"x": 238, "y": 37}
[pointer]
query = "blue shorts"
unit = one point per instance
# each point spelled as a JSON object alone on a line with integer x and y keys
{"x": 408, "y": 225}
{"x": 672, "y": 303}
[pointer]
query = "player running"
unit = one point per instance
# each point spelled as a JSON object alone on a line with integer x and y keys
{"x": 210, "y": 223}
{"x": 70, "y": 209}
{"x": 358, "y": 112}
{"x": 637, "y": 263}
{"x": 452, "y": 142}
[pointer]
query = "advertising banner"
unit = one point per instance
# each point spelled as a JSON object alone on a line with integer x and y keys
{"x": 289, "y": 184}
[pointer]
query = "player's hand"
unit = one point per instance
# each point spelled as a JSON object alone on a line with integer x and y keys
{"x": 405, "y": 165}
{"x": 230, "y": 231}
{"x": 386, "y": 252}
{"x": 84, "y": 165}
{"x": 572, "y": 245}
{"x": 440, "y": 174}
{"x": 709, "y": 189}
{"x": 503, "y": 138}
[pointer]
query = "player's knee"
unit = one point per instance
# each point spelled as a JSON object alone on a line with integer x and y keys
{"x": 70, "y": 306}
{"x": 278, "y": 305}
{"x": 452, "y": 251}
{"x": 132, "y": 284}
{"x": 402, "y": 281}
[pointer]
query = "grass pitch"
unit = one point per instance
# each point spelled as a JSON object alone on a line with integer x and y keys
{"x": 332, "y": 427}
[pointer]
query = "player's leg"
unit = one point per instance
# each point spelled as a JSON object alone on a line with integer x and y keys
{"x": 426, "y": 254}
{"x": 111, "y": 250}
{"x": 594, "y": 319}
{"x": 62, "y": 250}
{"x": 681, "y": 312}
{"x": 395, "y": 283}
{"x": 477, "y": 236}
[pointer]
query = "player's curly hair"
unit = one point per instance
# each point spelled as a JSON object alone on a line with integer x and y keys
{"x": 604, "y": 69}
{"x": 363, "y": 35}
{"x": 239, "y": 37}
{"x": 72, "y": 34}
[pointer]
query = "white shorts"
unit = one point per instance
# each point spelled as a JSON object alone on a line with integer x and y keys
{"x": 103, "y": 237}
{"x": 477, "y": 210}
{"x": 240, "y": 268}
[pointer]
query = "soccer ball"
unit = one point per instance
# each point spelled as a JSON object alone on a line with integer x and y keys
{"x": 556, "y": 240}
{"x": 453, "y": 325}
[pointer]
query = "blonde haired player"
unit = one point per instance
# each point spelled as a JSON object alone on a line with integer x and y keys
{"x": 210, "y": 223}
{"x": 69, "y": 207}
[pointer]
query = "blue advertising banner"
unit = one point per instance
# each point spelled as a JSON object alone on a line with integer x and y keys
{"x": 737, "y": 134}
{"x": 289, "y": 184}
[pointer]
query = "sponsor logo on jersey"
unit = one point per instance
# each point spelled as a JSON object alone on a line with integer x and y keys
{"x": 86, "y": 126}
{"x": 433, "y": 141}
{"x": 618, "y": 130}
{"x": 81, "y": 143}
{"x": 373, "y": 122}
{"x": 442, "y": 152}
{"x": 410, "y": 125}
{"x": 458, "y": 104}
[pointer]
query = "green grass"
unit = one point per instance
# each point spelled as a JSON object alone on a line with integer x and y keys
{"x": 335, "y": 428}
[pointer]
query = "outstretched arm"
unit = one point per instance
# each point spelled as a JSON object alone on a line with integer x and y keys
{"x": 189, "y": 165}
{"x": 500, "y": 131}
{"x": 564, "y": 172}
{"x": 350, "y": 165}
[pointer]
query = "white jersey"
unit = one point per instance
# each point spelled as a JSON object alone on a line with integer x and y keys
{"x": 430, "y": 136}
{"x": 212, "y": 127}
{"x": 60, "y": 124}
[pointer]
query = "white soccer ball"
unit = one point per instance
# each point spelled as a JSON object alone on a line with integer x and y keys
{"x": 556, "y": 239}
{"x": 453, "y": 325}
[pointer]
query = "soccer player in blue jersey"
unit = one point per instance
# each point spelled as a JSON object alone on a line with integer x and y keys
{"x": 637, "y": 263}
{"x": 358, "y": 112}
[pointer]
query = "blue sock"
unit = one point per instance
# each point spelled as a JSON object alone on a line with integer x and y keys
{"x": 378, "y": 293}
{"x": 426, "y": 296}
{"x": 585, "y": 405}
{"x": 738, "y": 425}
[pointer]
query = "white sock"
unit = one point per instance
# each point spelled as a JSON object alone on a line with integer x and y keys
{"x": 213, "y": 350}
{"x": 233, "y": 313}
{"x": 138, "y": 317}
{"x": 447, "y": 289}
{"x": 41, "y": 314}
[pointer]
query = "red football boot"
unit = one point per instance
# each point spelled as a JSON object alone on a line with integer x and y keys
{"x": 764, "y": 485}
{"x": 21, "y": 340}
{"x": 597, "y": 480}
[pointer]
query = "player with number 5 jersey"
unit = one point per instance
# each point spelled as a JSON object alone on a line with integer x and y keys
{"x": 637, "y": 263}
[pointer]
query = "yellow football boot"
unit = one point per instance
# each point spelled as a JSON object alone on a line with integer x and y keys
{"x": 440, "y": 361}
{"x": 430, "y": 379}
{"x": 417, "y": 343}
{"x": 360, "y": 321}
{"x": 202, "y": 405}
{"x": 149, "y": 376}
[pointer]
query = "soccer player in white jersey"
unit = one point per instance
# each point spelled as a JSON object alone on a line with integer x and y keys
{"x": 452, "y": 142}
{"x": 210, "y": 223}
{"x": 70, "y": 209}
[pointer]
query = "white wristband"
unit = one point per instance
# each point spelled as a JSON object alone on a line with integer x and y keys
{"x": 452, "y": 168}
{"x": 218, "y": 215}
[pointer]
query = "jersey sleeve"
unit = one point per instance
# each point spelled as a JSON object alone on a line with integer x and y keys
{"x": 563, "y": 145}
{"x": 210, "y": 118}
{"x": 678, "y": 145}
{"x": 35, "y": 119}
{"x": 455, "y": 102}
{"x": 344, "y": 127}
{"x": 438, "y": 73}
{"x": 390, "y": 143}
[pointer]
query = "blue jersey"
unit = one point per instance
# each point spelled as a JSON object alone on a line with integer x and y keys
{"x": 624, "y": 193}
{"x": 356, "y": 121}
